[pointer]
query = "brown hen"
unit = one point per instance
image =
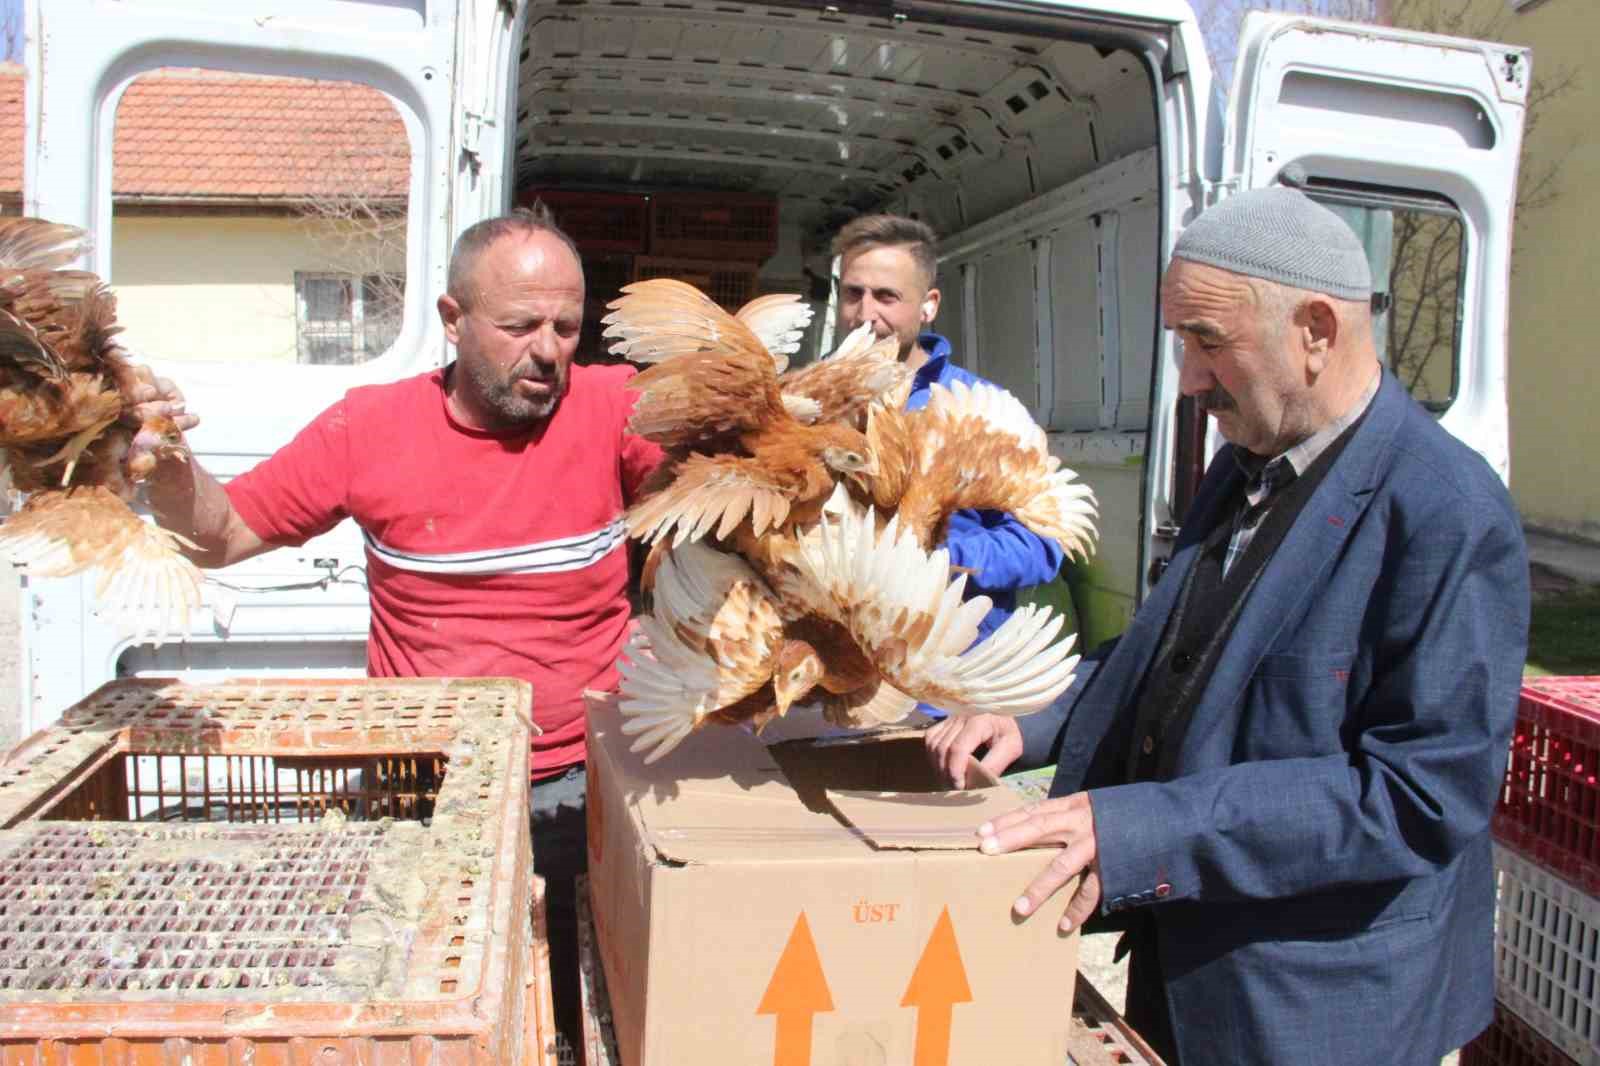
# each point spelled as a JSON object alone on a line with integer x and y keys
{"x": 64, "y": 388}
{"x": 974, "y": 447}
{"x": 875, "y": 620}
{"x": 738, "y": 453}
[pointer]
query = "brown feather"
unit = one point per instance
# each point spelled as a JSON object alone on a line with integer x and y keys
{"x": 64, "y": 393}
{"x": 842, "y": 388}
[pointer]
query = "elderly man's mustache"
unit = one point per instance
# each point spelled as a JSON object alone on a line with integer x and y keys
{"x": 1217, "y": 398}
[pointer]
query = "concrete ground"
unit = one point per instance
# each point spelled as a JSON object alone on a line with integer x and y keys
{"x": 1574, "y": 559}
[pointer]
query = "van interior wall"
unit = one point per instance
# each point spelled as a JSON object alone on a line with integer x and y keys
{"x": 1034, "y": 157}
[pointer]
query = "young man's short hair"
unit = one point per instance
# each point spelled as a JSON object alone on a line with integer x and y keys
{"x": 892, "y": 231}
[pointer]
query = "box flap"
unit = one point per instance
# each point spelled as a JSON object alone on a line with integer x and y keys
{"x": 718, "y": 797}
{"x": 698, "y": 828}
{"x": 725, "y": 796}
{"x": 882, "y": 784}
{"x": 922, "y": 821}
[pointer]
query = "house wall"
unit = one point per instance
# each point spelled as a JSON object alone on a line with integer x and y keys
{"x": 223, "y": 287}
{"x": 1554, "y": 432}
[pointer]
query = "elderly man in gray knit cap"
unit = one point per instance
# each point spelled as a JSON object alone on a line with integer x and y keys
{"x": 1277, "y": 783}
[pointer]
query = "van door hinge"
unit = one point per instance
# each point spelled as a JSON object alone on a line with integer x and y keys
{"x": 472, "y": 123}
{"x": 1168, "y": 533}
{"x": 1515, "y": 73}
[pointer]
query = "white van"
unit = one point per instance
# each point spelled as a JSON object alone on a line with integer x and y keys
{"x": 1059, "y": 147}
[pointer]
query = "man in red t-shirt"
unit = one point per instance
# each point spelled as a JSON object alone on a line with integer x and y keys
{"x": 490, "y": 494}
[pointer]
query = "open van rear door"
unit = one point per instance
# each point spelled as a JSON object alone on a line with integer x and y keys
{"x": 287, "y": 610}
{"x": 1414, "y": 139}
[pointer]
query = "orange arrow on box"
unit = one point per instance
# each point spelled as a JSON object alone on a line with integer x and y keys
{"x": 937, "y": 984}
{"x": 798, "y": 989}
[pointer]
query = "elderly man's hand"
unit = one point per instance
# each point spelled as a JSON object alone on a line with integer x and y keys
{"x": 157, "y": 408}
{"x": 1068, "y": 821}
{"x": 951, "y": 742}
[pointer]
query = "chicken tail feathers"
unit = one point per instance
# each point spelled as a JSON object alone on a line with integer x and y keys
{"x": 34, "y": 244}
{"x": 710, "y": 495}
{"x": 666, "y": 690}
{"x": 917, "y": 626}
{"x": 1064, "y": 512}
{"x": 978, "y": 447}
{"x": 780, "y": 321}
{"x": 659, "y": 318}
{"x": 21, "y": 346}
{"x": 144, "y": 580}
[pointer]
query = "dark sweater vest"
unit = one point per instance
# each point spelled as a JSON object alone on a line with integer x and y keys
{"x": 1207, "y": 610}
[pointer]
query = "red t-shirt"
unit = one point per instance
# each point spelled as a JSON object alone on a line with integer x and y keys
{"x": 488, "y": 555}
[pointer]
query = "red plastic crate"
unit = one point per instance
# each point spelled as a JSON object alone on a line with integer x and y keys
{"x": 1509, "y": 1041}
{"x": 1549, "y": 808}
{"x": 690, "y": 225}
{"x": 596, "y": 221}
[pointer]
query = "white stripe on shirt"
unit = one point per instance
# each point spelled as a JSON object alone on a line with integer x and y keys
{"x": 546, "y": 557}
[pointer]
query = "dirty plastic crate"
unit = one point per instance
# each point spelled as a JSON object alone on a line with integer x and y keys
{"x": 1547, "y": 954}
{"x": 1509, "y": 1041}
{"x": 701, "y": 225}
{"x": 274, "y": 872}
{"x": 1549, "y": 808}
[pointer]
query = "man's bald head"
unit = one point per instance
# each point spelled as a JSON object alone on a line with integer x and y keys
{"x": 477, "y": 238}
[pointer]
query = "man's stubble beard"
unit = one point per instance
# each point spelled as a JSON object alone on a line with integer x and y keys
{"x": 499, "y": 396}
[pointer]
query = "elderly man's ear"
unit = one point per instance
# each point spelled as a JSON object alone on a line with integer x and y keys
{"x": 1318, "y": 326}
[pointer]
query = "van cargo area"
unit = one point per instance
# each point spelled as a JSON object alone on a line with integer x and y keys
{"x": 725, "y": 144}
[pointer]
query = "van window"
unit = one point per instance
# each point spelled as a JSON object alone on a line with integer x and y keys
{"x": 1416, "y": 245}
{"x": 258, "y": 219}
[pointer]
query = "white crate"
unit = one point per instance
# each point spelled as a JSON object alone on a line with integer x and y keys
{"x": 1547, "y": 954}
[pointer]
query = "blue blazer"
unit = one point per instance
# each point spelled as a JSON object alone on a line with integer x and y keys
{"x": 1318, "y": 867}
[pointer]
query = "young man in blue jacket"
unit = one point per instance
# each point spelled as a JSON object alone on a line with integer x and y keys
{"x": 887, "y": 275}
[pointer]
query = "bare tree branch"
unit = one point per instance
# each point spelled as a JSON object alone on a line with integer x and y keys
{"x": 358, "y": 222}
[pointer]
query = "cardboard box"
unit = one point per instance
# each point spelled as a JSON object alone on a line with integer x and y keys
{"x": 813, "y": 903}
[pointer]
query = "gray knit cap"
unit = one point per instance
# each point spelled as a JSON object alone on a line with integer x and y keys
{"x": 1280, "y": 234}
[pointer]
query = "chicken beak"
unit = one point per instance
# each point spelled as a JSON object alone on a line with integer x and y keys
{"x": 863, "y": 477}
{"x": 788, "y": 689}
{"x": 784, "y": 695}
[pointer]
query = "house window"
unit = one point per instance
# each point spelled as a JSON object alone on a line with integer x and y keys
{"x": 346, "y": 318}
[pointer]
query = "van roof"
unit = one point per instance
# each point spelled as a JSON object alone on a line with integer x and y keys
{"x": 833, "y": 110}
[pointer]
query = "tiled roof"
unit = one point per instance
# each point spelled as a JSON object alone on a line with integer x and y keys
{"x": 11, "y": 124}
{"x": 202, "y": 136}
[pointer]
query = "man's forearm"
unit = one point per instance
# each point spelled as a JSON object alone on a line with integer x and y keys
{"x": 187, "y": 500}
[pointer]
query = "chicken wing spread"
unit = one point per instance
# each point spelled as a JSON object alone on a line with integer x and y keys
{"x": 714, "y": 399}
{"x": 64, "y": 388}
{"x": 788, "y": 565}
